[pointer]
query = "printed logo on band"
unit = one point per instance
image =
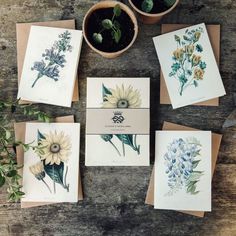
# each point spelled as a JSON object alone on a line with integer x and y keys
{"x": 117, "y": 121}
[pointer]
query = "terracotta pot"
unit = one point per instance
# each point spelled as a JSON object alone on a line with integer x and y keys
{"x": 148, "y": 18}
{"x": 110, "y": 4}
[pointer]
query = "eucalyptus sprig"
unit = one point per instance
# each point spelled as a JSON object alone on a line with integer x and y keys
{"x": 110, "y": 24}
{"x": 8, "y": 166}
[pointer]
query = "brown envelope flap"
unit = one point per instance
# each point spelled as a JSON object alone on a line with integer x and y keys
{"x": 20, "y": 136}
{"x": 22, "y": 35}
{"x": 214, "y": 35}
{"x": 216, "y": 140}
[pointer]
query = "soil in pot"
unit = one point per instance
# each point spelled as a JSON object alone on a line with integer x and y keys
{"x": 158, "y": 6}
{"x": 108, "y": 44}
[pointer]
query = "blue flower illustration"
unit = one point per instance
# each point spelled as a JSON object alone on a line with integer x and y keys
{"x": 181, "y": 162}
{"x": 54, "y": 58}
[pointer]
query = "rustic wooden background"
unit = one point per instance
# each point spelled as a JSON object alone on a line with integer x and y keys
{"x": 114, "y": 196}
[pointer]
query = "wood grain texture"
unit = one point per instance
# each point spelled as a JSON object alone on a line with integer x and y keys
{"x": 114, "y": 196}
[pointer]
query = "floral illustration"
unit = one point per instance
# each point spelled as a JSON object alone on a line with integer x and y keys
{"x": 53, "y": 59}
{"x": 181, "y": 161}
{"x": 188, "y": 67}
{"x": 54, "y": 153}
{"x": 122, "y": 98}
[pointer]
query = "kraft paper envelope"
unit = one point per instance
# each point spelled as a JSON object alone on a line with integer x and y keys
{"x": 20, "y": 136}
{"x": 22, "y": 34}
{"x": 214, "y": 35}
{"x": 216, "y": 140}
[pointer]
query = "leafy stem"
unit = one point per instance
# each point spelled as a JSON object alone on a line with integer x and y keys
{"x": 112, "y": 25}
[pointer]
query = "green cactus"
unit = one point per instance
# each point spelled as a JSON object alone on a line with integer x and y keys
{"x": 147, "y": 5}
{"x": 169, "y": 3}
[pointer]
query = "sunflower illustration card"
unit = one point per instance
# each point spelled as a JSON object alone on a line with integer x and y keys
{"x": 183, "y": 170}
{"x": 117, "y": 122}
{"x": 189, "y": 66}
{"x": 50, "y": 65}
{"x": 51, "y": 167}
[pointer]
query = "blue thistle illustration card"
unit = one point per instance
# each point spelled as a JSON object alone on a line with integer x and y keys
{"x": 50, "y": 65}
{"x": 183, "y": 170}
{"x": 51, "y": 167}
{"x": 189, "y": 67}
{"x": 117, "y": 122}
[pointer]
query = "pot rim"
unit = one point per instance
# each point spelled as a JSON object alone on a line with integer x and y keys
{"x": 100, "y": 5}
{"x": 153, "y": 14}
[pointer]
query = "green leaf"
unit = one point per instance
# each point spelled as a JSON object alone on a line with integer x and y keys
{"x": 117, "y": 10}
{"x": 97, "y": 38}
{"x": 8, "y": 134}
{"x": 107, "y": 24}
{"x": 175, "y": 67}
{"x": 105, "y": 91}
{"x": 147, "y": 5}
{"x": 55, "y": 172}
{"x": 2, "y": 181}
{"x": 116, "y": 35}
{"x": 199, "y": 48}
{"x": 203, "y": 65}
{"x": 195, "y": 83}
{"x": 172, "y": 74}
{"x": 126, "y": 139}
{"x": 195, "y": 175}
{"x": 177, "y": 38}
{"x": 195, "y": 163}
{"x": 186, "y": 38}
{"x": 40, "y": 136}
{"x": 11, "y": 173}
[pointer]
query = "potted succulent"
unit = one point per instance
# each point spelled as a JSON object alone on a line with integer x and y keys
{"x": 151, "y": 11}
{"x": 110, "y": 28}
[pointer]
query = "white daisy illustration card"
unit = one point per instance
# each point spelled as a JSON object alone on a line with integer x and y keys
{"x": 189, "y": 66}
{"x": 51, "y": 167}
{"x": 117, "y": 122}
{"x": 183, "y": 170}
{"x": 50, "y": 65}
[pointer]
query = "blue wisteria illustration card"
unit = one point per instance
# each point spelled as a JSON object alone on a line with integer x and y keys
{"x": 51, "y": 167}
{"x": 50, "y": 65}
{"x": 189, "y": 66}
{"x": 183, "y": 170}
{"x": 117, "y": 122}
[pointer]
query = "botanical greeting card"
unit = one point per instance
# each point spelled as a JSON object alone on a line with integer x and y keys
{"x": 183, "y": 170}
{"x": 189, "y": 66}
{"x": 50, "y": 65}
{"x": 51, "y": 168}
{"x": 117, "y": 127}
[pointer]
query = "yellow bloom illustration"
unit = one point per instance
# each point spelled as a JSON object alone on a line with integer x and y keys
{"x": 178, "y": 54}
{"x": 197, "y": 35}
{"x": 122, "y": 97}
{"x": 37, "y": 170}
{"x": 189, "y": 49}
{"x": 57, "y": 148}
{"x": 196, "y": 59}
{"x": 198, "y": 74}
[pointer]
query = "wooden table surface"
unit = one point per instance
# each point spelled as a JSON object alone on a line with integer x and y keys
{"x": 114, "y": 196}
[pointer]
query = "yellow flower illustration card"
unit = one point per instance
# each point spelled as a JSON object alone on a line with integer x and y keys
{"x": 50, "y": 65}
{"x": 183, "y": 170}
{"x": 51, "y": 166}
{"x": 117, "y": 123}
{"x": 189, "y": 67}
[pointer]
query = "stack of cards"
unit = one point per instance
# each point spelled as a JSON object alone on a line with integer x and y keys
{"x": 189, "y": 66}
{"x": 51, "y": 169}
{"x": 117, "y": 124}
{"x": 50, "y": 65}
